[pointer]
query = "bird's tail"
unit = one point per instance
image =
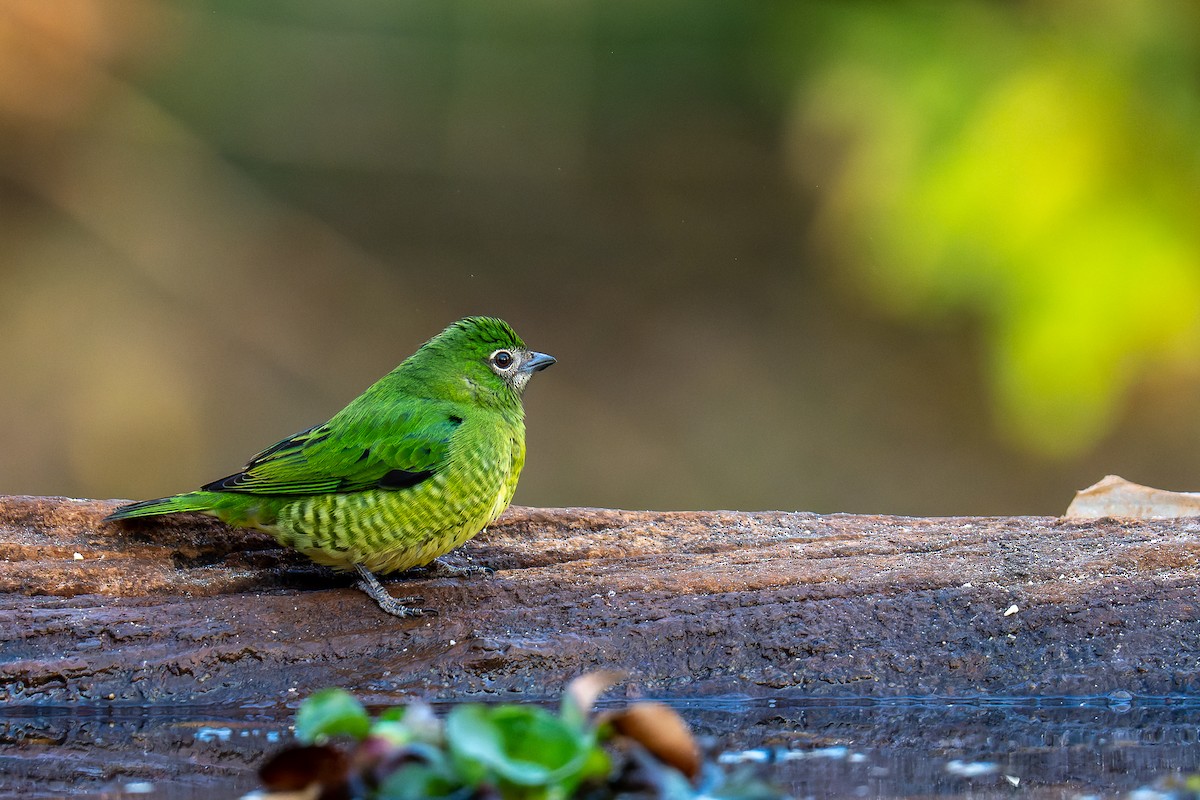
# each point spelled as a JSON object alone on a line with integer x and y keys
{"x": 194, "y": 501}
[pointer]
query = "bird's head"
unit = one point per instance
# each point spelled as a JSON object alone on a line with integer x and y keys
{"x": 480, "y": 358}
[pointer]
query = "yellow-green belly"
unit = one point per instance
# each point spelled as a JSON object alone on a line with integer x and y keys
{"x": 393, "y": 530}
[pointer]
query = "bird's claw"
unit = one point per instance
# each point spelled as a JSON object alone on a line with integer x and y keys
{"x": 396, "y": 606}
{"x": 389, "y": 604}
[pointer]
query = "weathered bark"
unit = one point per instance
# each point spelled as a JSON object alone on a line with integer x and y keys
{"x": 186, "y": 611}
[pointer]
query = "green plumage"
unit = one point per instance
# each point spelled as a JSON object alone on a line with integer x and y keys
{"x": 418, "y": 464}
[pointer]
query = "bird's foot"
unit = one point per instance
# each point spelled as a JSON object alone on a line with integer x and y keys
{"x": 440, "y": 569}
{"x": 391, "y": 605}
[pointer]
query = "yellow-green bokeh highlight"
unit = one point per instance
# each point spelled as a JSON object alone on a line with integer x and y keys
{"x": 1034, "y": 185}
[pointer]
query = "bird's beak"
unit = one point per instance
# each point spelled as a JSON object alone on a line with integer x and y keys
{"x": 537, "y": 362}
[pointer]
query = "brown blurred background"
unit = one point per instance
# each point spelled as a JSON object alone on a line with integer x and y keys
{"x": 875, "y": 257}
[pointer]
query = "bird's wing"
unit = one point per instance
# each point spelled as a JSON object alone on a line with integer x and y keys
{"x": 392, "y": 451}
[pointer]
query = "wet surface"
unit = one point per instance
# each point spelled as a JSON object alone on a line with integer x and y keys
{"x": 896, "y": 748}
{"x": 135, "y": 752}
{"x": 1047, "y": 748}
{"x": 177, "y": 645}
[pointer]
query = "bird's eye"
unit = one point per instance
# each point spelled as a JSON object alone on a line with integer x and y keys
{"x": 502, "y": 359}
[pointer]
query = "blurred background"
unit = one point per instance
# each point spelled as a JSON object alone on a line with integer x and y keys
{"x": 855, "y": 256}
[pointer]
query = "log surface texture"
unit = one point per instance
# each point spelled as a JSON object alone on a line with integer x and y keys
{"x": 184, "y": 610}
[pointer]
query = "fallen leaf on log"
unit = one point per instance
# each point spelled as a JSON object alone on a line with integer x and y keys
{"x": 1116, "y": 497}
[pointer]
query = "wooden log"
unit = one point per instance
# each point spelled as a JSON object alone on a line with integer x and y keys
{"x": 184, "y": 610}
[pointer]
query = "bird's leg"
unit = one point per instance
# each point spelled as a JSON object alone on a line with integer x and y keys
{"x": 392, "y": 605}
{"x": 440, "y": 569}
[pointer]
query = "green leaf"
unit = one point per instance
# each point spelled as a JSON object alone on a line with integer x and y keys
{"x": 534, "y": 735}
{"x": 522, "y": 745}
{"x": 392, "y": 714}
{"x": 419, "y": 781}
{"x": 597, "y": 764}
{"x": 473, "y": 737}
{"x": 330, "y": 712}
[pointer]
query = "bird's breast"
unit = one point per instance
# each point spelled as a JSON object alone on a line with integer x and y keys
{"x": 394, "y": 529}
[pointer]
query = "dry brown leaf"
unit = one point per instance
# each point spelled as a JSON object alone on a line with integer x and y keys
{"x": 1116, "y": 497}
{"x": 309, "y": 771}
{"x": 660, "y": 730}
{"x": 585, "y": 690}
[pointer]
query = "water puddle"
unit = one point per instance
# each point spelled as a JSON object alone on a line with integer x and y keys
{"x": 1061, "y": 748}
{"x": 1103, "y": 747}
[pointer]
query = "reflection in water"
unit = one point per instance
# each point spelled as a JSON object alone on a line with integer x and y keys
{"x": 179, "y": 753}
{"x": 1060, "y": 748}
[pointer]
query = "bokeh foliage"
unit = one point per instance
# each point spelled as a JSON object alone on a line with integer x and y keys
{"x": 874, "y": 256}
{"x": 1034, "y": 166}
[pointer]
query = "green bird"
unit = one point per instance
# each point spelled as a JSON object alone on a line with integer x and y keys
{"x": 416, "y": 465}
